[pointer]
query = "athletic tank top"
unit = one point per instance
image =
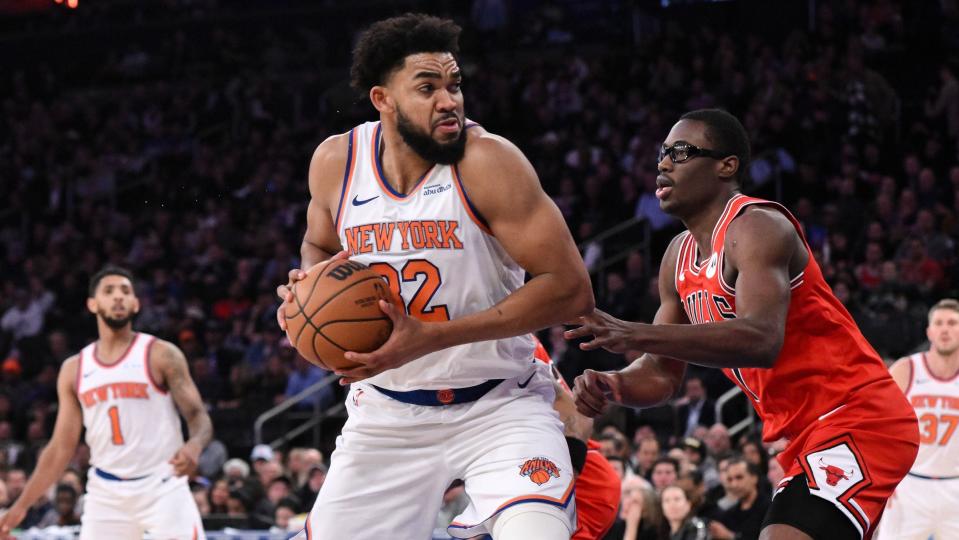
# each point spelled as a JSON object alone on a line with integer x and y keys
{"x": 824, "y": 358}
{"x": 436, "y": 251}
{"x": 937, "y": 406}
{"x": 132, "y": 425}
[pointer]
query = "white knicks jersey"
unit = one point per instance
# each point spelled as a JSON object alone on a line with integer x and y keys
{"x": 133, "y": 428}
{"x": 937, "y": 407}
{"x": 433, "y": 249}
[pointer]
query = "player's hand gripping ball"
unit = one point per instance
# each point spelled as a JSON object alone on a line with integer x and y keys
{"x": 335, "y": 309}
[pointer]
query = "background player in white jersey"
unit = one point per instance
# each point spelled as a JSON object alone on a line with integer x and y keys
{"x": 451, "y": 216}
{"x": 125, "y": 389}
{"x": 926, "y": 502}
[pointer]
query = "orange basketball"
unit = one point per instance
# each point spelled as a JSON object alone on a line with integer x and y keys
{"x": 335, "y": 309}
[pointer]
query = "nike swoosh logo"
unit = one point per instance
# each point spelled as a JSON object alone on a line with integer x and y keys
{"x": 526, "y": 383}
{"x": 357, "y": 202}
{"x": 85, "y": 375}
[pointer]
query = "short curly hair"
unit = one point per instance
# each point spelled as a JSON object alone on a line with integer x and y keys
{"x": 728, "y": 135}
{"x": 384, "y": 46}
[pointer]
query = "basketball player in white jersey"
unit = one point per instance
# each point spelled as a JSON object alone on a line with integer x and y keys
{"x": 452, "y": 217}
{"x": 125, "y": 389}
{"x": 926, "y": 502}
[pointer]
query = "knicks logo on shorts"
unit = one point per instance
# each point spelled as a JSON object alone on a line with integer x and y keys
{"x": 539, "y": 470}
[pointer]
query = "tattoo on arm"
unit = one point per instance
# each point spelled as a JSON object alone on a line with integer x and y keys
{"x": 187, "y": 397}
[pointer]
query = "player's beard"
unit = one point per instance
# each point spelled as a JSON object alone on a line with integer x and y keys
{"x": 116, "y": 322}
{"x": 946, "y": 352}
{"x": 427, "y": 147}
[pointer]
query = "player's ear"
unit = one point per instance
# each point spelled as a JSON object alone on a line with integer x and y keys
{"x": 136, "y": 305}
{"x": 727, "y": 168}
{"x": 380, "y": 98}
{"x": 92, "y": 305}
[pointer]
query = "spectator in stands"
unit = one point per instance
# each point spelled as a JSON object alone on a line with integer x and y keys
{"x": 63, "y": 513}
{"x": 664, "y": 473}
{"x": 295, "y": 466}
{"x": 238, "y": 505}
{"x": 212, "y": 459}
{"x": 25, "y": 318}
{"x": 285, "y": 510}
{"x": 219, "y": 494}
{"x": 717, "y": 440}
{"x": 946, "y": 102}
{"x": 302, "y": 377}
{"x": 646, "y": 454}
{"x": 744, "y": 519}
{"x": 869, "y": 271}
{"x": 721, "y": 496}
{"x": 613, "y": 445}
{"x": 202, "y": 497}
{"x": 919, "y": 270}
{"x": 16, "y": 479}
{"x": 280, "y": 488}
{"x": 235, "y": 469}
{"x": 314, "y": 481}
{"x": 639, "y": 514}
{"x": 692, "y": 483}
{"x": 694, "y": 408}
{"x": 679, "y": 521}
{"x": 74, "y": 479}
{"x": 752, "y": 450}
{"x": 10, "y": 448}
{"x": 678, "y": 453}
{"x": 619, "y": 465}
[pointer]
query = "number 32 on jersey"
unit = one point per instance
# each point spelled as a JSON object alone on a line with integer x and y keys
{"x": 417, "y": 306}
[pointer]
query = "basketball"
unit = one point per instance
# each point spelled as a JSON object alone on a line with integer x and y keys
{"x": 335, "y": 309}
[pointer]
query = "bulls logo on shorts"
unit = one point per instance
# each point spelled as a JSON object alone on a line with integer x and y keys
{"x": 835, "y": 472}
{"x": 539, "y": 470}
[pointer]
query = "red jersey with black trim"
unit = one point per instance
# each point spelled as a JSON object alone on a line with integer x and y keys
{"x": 824, "y": 360}
{"x": 597, "y": 486}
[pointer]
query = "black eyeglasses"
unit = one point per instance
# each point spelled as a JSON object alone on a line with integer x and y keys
{"x": 682, "y": 151}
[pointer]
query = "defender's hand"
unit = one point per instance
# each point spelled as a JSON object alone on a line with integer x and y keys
{"x": 608, "y": 332}
{"x": 594, "y": 390}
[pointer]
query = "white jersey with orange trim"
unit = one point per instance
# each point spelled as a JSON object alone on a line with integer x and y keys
{"x": 132, "y": 425}
{"x": 936, "y": 402}
{"x": 436, "y": 251}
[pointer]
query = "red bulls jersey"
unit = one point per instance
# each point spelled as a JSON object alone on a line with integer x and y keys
{"x": 824, "y": 362}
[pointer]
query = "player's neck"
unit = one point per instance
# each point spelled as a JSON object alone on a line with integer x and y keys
{"x": 402, "y": 166}
{"x": 943, "y": 366}
{"x": 113, "y": 342}
{"x": 702, "y": 224}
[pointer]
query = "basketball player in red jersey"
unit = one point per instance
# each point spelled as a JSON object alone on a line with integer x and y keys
{"x": 127, "y": 389}
{"x": 741, "y": 291}
{"x": 597, "y": 484}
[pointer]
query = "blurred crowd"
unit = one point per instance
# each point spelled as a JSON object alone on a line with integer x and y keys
{"x": 179, "y": 149}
